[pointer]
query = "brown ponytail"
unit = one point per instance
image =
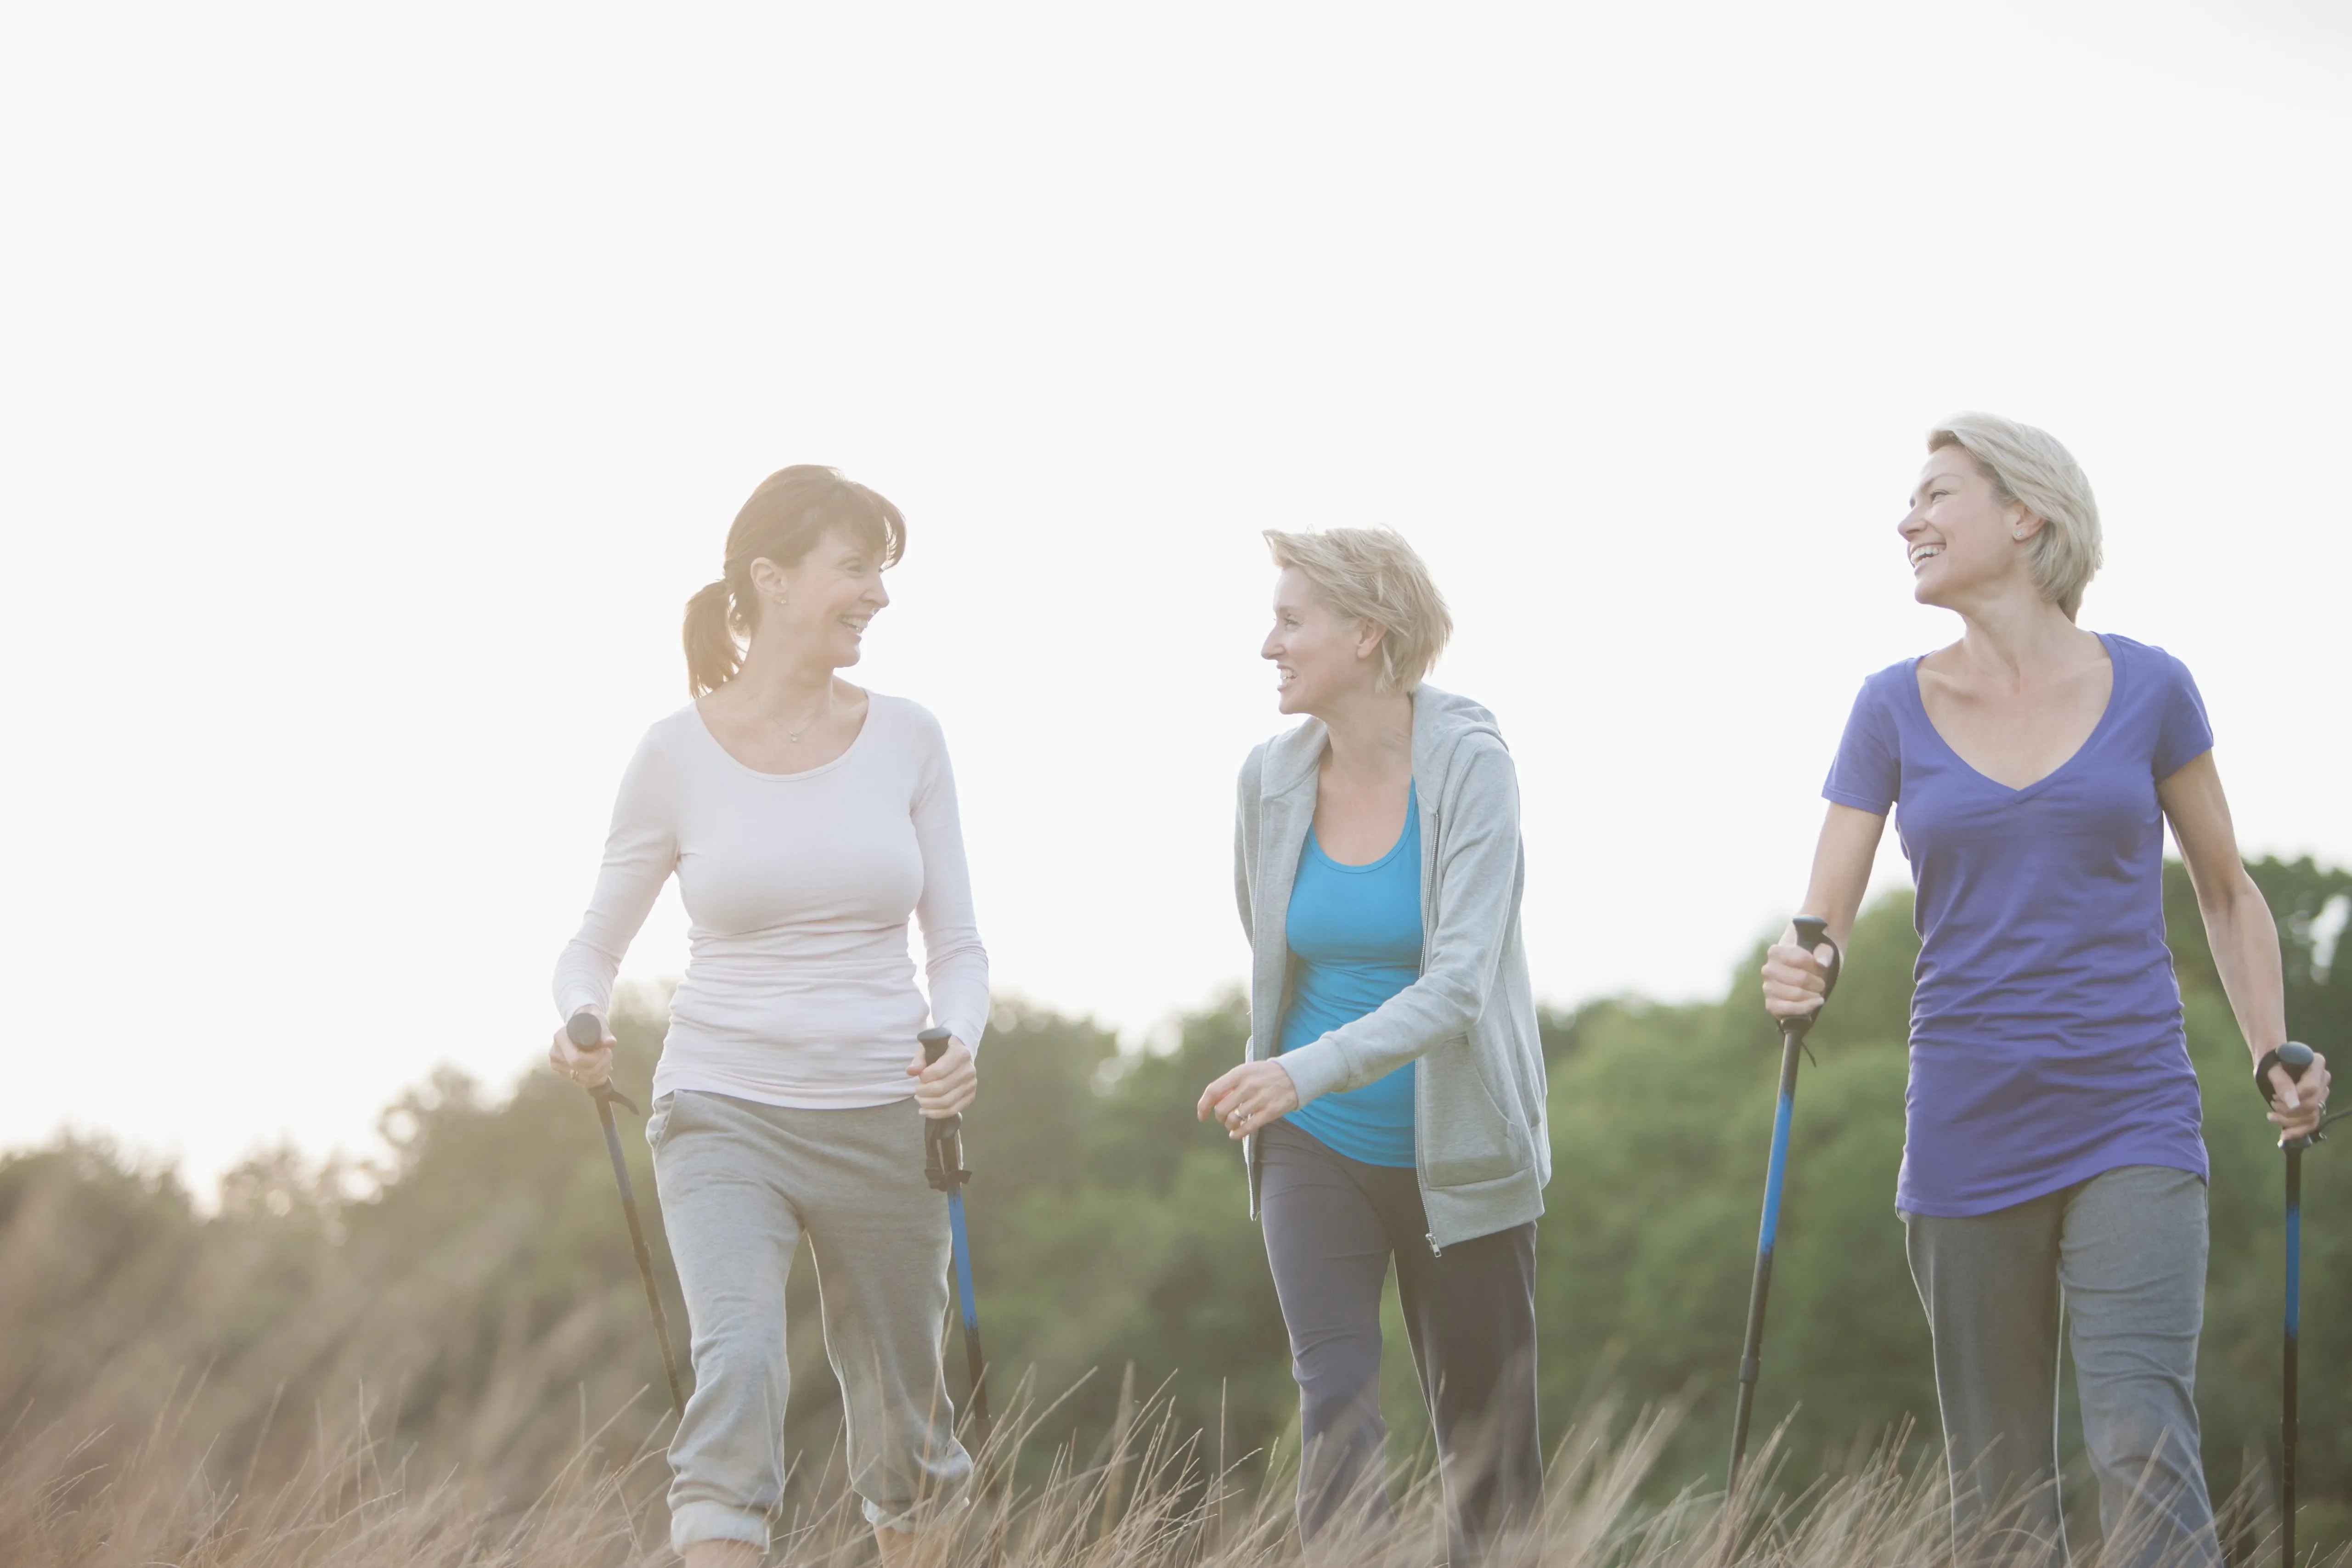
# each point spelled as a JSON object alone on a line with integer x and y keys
{"x": 791, "y": 509}
{"x": 713, "y": 654}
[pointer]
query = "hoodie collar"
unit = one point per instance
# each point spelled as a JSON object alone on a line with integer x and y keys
{"x": 1441, "y": 721}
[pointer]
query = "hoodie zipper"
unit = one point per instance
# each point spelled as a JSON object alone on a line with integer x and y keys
{"x": 1434, "y": 1250}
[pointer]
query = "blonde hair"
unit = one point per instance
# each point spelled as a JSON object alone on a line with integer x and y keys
{"x": 1372, "y": 575}
{"x": 2029, "y": 468}
{"x": 783, "y": 521}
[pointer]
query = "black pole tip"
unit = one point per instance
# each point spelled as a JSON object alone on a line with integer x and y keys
{"x": 584, "y": 1030}
{"x": 934, "y": 1042}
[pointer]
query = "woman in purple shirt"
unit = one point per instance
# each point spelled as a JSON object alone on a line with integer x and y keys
{"x": 2052, "y": 1155}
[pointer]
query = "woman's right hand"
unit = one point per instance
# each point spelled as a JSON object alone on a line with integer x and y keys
{"x": 1796, "y": 982}
{"x": 587, "y": 1069}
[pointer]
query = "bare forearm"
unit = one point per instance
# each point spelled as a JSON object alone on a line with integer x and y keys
{"x": 1794, "y": 979}
{"x": 2244, "y": 940}
{"x": 2238, "y": 924}
{"x": 1842, "y": 862}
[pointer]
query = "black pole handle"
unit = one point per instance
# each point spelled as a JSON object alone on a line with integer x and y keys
{"x": 2295, "y": 1056}
{"x": 587, "y": 1032}
{"x": 1811, "y": 932}
{"x": 942, "y": 1136}
{"x": 934, "y": 1042}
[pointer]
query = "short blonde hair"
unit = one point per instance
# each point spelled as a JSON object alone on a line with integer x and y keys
{"x": 1372, "y": 575}
{"x": 2029, "y": 468}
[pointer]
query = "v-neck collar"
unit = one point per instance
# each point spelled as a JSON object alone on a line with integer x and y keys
{"x": 2115, "y": 701}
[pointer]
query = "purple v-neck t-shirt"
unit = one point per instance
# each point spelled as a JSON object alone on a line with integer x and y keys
{"x": 2046, "y": 1040}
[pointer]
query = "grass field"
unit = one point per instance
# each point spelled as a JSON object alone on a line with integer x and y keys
{"x": 331, "y": 1495}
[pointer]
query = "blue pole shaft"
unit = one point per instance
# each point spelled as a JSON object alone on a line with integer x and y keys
{"x": 1768, "y": 1235}
{"x": 1769, "y": 1232}
{"x": 968, "y": 1303}
{"x": 2288, "y": 1415}
{"x": 964, "y": 1297}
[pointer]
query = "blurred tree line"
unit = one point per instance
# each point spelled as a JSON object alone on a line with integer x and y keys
{"x": 474, "y": 1295}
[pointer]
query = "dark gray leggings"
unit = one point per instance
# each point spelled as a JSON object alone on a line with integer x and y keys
{"x": 1332, "y": 1225}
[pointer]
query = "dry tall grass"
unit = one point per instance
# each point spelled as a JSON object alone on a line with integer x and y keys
{"x": 1148, "y": 1497}
{"x": 456, "y": 1370}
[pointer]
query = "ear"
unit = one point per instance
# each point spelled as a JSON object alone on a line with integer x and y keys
{"x": 2023, "y": 524}
{"x": 769, "y": 580}
{"x": 1367, "y": 639}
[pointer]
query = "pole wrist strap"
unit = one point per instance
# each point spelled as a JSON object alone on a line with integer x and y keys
{"x": 2271, "y": 1058}
{"x": 2263, "y": 1075}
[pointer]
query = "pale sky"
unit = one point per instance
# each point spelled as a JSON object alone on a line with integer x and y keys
{"x": 375, "y": 386}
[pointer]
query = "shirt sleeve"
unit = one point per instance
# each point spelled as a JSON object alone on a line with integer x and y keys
{"x": 1867, "y": 773}
{"x": 640, "y": 853}
{"x": 2184, "y": 733}
{"x": 955, "y": 962}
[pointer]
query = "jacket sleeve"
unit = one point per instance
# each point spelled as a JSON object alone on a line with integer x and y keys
{"x": 1478, "y": 882}
{"x": 1244, "y": 835}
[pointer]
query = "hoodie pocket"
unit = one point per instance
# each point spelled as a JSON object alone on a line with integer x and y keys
{"x": 1469, "y": 1139}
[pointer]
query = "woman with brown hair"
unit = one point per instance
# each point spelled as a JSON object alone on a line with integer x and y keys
{"x": 806, "y": 820}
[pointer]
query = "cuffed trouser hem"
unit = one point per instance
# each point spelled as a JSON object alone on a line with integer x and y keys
{"x": 698, "y": 1521}
{"x": 920, "y": 1519}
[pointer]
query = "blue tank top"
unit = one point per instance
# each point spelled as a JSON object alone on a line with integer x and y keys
{"x": 1354, "y": 933}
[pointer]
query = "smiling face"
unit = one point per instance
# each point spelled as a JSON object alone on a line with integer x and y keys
{"x": 820, "y": 607}
{"x": 1964, "y": 545}
{"x": 1319, "y": 657}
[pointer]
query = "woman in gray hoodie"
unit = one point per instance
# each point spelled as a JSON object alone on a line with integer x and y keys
{"x": 1391, "y": 1106}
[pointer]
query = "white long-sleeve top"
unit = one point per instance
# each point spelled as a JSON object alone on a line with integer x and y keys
{"x": 800, "y": 987}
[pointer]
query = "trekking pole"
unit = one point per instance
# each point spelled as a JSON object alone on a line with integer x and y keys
{"x": 2296, "y": 1058}
{"x": 943, "y": 1167}
{"x": 586, "y": 1031}
{"x": 1811, "y": 934}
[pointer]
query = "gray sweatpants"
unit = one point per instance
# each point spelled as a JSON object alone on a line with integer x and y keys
{"x": 2120, "y": 1258}
{"x": 740, "y": 1184}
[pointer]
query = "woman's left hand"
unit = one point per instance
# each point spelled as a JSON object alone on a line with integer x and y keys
{"x": 1249, "y": 1097}
{"x": 947, "y": 1085}
{"x": 2298, "y": 1106}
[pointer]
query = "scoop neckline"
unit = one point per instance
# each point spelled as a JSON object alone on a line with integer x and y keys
{"x": 865, "y": 727}
{"x": 1412, "y": 817}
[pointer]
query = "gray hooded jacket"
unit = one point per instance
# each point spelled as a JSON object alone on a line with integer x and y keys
{"x": 1480, "y": 1141}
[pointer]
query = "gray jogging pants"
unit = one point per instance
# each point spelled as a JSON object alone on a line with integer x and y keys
{"x": 2120, "y": 1260}
{"x": 740, "y": 1184}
